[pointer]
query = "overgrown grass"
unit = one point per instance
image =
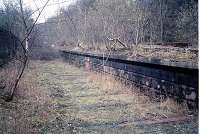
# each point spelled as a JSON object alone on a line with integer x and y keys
{"x": 138, "y": 102}
{"x": 8, "y": 75}
{"x": 164, "y": 53}
{"x": 55, "y": 97}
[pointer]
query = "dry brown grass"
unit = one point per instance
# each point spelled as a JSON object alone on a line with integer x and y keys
{"x": 28, "y": 100}
{"x": 140, "y": 104}
{"x": 8, "y": 75}
{"x": 162, "y": 52}
{"x": 54, "y": 92}
{"x": 106, "y": 82}
{"x": 171, "y": 105}
{"x": 32, "y": 105}
{"x": 165, "y": 53}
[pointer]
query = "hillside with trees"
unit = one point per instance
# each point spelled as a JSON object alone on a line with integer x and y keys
{"x": 133, "y": 22}
{"x": 104, "y": 25}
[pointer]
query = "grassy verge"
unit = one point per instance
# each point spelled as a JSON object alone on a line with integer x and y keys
{"x": 55, "y": 97}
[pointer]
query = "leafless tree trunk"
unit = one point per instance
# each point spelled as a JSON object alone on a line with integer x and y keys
{"x": 137, "y": 31}
{"x": 161, "y": 21}
{"x": 24, "y": 50}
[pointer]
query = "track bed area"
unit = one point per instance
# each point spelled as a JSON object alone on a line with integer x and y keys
{"x": 57, "y": 98}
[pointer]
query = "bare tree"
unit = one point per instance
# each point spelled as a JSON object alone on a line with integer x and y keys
{"x": 24, "y": 45}
{"x": 134, "y": 22}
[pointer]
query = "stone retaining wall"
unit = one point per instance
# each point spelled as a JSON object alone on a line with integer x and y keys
{"x": 162, "y": 80}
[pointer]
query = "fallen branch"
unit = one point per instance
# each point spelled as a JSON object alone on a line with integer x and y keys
{"x": 117, "y": 40}
{"x": 79, "y": 45}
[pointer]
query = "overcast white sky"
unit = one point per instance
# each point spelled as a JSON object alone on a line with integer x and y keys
{"x": 49, "y": 11}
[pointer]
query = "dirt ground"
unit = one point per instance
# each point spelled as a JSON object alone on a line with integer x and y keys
{"x": 57, "y": 98}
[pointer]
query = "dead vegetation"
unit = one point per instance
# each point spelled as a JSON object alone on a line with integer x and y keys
{"x": 173, "y": 54}
{"x": 163, "y": 53}
{"x": 28, "y": 102}
{"x": 8, "y": 74}
{"x": 54, "y": 97}
{"x": 141, "y": 103}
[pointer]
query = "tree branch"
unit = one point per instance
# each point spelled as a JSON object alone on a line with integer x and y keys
{"x": 19, "y": 76}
